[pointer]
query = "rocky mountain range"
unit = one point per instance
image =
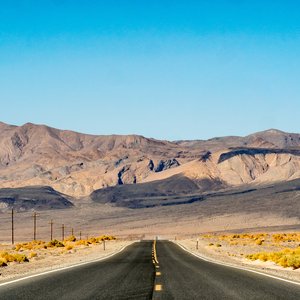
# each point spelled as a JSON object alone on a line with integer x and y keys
{"x": 79, "y": 164}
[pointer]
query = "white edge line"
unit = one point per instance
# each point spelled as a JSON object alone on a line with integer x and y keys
{"x": 235, "y": 267}
{"x": 64, "y": 268}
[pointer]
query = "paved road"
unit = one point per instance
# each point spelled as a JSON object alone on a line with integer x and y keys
{"x": 184, "y": 276}
{"x": 127, "y": 275}
{"x": 131, "y": 274}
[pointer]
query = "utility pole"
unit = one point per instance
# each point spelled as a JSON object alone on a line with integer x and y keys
{"x": 12, "y": 227}
{"x": 34, "y": 226}
{"x": 63, "y": 232}
{"x": 80, "y": 235}
{"x": 51, "y": 230}
{"x": 197, "y": 244}
{"x": 104, "y": 245}
{"x": 72, "y": 232}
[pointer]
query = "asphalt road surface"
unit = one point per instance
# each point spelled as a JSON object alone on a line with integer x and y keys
{"x": 127, "y": 275}
{"x": 184, "y": 276}
{"x": 132, "y": 274}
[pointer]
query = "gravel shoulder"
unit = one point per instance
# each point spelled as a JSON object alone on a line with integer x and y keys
{"x": 214, "y": 249}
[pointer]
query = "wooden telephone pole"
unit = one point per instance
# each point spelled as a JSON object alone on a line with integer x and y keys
{"x": 12, "y": 227}
{"x": 63, "y": 232}
{"x": 51, "y": 230}
{"x": 34, "y": 226}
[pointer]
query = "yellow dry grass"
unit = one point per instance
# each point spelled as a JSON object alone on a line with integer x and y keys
{"x": 239, "y": 239}
{"x": 285, "y": 258}
{"x": 36, "y": 248}
{"x": 6, "y": 257}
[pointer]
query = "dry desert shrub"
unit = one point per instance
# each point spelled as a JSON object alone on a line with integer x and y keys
{"x": 95, "y": 240}
{"x": 206, "y": 236}
{"x": 71, "y": 238}
{"x": 286, "y": 237}
{"x": 82, "y": 243}
{"x": 285, "y": 258}
{"x": 106, "y": 238}
{"x": 241, "y": 239}
{"x": 3, "y": 263}
{"x": 55, "y": 244}
{"x": 233, "y": 243}
{"x": 69, "y": 247}
{"x": 33, "y": 245}
{"x": 32, "y": 254}
{"x": 6, "y": 257}
{"x": 259, "y": 242}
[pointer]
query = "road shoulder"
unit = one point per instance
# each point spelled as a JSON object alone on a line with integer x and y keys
{"x": 49, "y": 263}
{"x": 291, "y": 276}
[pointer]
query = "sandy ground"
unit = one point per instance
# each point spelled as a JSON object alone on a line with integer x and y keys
{"x": 222, "y": 251}
{"x": 211, "y": 246}
{"x": 186, "y": 223}
{"x": 94, "y": 219}
{"x": 49, "y": 259}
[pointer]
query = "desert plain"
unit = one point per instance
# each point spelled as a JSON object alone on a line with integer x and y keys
{"x": 135, "y": 188}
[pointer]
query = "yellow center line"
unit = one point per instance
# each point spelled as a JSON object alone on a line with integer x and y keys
{"x": 154, "y": 251}
{"x": 158, "y": 287}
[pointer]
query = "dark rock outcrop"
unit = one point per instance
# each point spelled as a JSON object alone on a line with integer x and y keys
{"x": 166, "y": 164}
{"x": 35, "y": 197}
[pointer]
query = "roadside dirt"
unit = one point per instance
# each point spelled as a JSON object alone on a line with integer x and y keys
{"x": 223, "y": 248}
{"x": 50, "y": 259}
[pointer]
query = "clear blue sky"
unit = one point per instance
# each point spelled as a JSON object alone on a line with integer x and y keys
{"x": 163, "y": 69}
